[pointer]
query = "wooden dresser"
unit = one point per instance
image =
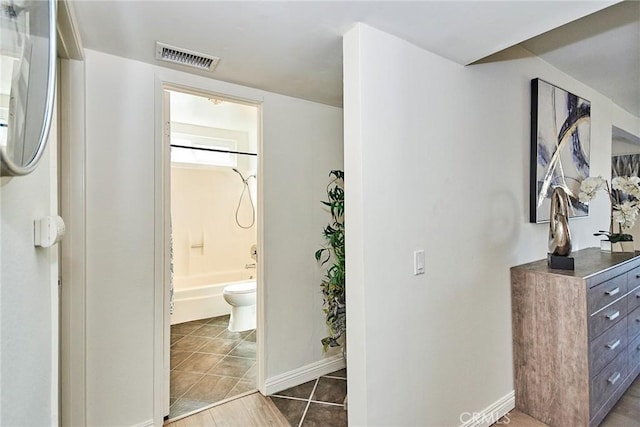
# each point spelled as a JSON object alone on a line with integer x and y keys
{"x": 576, "y": 336}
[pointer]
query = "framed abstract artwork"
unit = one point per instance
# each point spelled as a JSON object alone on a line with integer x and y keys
{"x": 560, "y": 143}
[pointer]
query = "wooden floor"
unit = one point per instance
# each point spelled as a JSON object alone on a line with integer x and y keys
{"x": 516, "y": 418}
{"x": 257, "y": 410}
{"x": 251, "y": 410}
{"x": 626, "y": 413}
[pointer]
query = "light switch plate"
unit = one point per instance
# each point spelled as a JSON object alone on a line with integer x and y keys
{"x": 418, "y": 262}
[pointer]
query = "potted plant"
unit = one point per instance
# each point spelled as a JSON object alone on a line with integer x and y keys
{"x": 333, "y": 282}
{"x": 624, "y": 199}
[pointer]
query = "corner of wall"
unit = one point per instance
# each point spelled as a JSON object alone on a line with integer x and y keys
{"x": 353, "y": 164}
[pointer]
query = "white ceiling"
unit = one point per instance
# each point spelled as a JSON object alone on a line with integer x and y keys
{"x": 295, "y": 47}
{"x": 601, "y": 50}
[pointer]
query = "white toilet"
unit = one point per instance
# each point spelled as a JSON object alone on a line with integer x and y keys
{"x": 242, "y": 298}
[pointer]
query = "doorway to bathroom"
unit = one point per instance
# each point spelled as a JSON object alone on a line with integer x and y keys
{"x": 213, "y": 247}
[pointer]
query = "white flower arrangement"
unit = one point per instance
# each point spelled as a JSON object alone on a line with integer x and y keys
{"x": 623, "y": 212}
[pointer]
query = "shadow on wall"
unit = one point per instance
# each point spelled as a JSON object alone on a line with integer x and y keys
{"x": 501, "y": 231}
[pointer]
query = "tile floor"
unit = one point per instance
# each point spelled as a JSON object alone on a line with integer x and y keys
{"x": 315, "y": 403}
{"x": 209, "y": 363}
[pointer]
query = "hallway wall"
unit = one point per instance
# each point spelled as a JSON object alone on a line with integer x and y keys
{"x": 29, "y": 297}
{"x": 302, "y": 141}
{"x": 437, "y": 156}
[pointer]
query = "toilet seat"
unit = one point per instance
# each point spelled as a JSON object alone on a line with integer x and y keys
{"x": 240, "y": 288}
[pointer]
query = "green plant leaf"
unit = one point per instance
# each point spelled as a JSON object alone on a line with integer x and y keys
{"x": 333, "y": 283}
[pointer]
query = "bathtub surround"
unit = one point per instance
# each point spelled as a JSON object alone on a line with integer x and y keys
{"x": 206, "y": 238}
{"x": 210, "y": 249}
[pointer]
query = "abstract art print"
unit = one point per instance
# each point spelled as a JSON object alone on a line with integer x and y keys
{"x": 560, "y": 142}
{"x": 624, "y": 165}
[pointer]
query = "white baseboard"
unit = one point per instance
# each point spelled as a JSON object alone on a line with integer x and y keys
{"x": 490, "y": 414}
{"x": 145, "y": 424}
{"x": 304, "y": 374}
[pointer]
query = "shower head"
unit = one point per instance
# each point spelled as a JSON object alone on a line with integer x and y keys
{"x": 242, "y": 176}
{"x": 238, "y": 172}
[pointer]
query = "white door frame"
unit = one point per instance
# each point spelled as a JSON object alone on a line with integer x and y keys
{"x": 72, "y": 196}
{"x": 73, "y": 247}
{"x": 162, "y": 210}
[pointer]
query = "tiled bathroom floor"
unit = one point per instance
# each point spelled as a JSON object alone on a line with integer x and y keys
{"x": 315, "y": 403}
{"x": 209, "y": 363}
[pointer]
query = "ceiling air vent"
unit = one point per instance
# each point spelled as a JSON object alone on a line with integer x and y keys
{"x": 188, "y": 58}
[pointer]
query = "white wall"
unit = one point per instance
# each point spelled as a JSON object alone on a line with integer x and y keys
{"x": 198, "y": 110}
{"x": 622, "y": 147}
{"x": 28, "y": 298}
{"x": 302, "y": 141}
{"x": 119, "y": 242}
{"x": 437, "y": 157}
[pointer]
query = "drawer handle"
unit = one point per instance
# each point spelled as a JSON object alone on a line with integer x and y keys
{"x": 614, "y": 378}
{"x": 613, "y": 315}
{"x": 612, "y": 292}
{"x": 613, "y": 345}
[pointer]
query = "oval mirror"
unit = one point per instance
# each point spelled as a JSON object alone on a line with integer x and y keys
{"x": 27, "y": 82}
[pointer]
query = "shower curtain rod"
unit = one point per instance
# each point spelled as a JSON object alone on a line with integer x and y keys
{"x": 217, "y": 150}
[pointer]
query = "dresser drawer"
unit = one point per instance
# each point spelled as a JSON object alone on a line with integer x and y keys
{"x": 607, "y": 346}
{"x": 606, "y": 292}
{"x": 606, "y": 318}
{"x": 633, "y": 278}
{"x": 634, "y": 354}
{"x": 633, "y": 321}
{"x": 633, "y": 299}
{"x": 608, "y": 380}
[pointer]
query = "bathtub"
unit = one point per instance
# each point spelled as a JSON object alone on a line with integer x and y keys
{"x": 200, "y": 296}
